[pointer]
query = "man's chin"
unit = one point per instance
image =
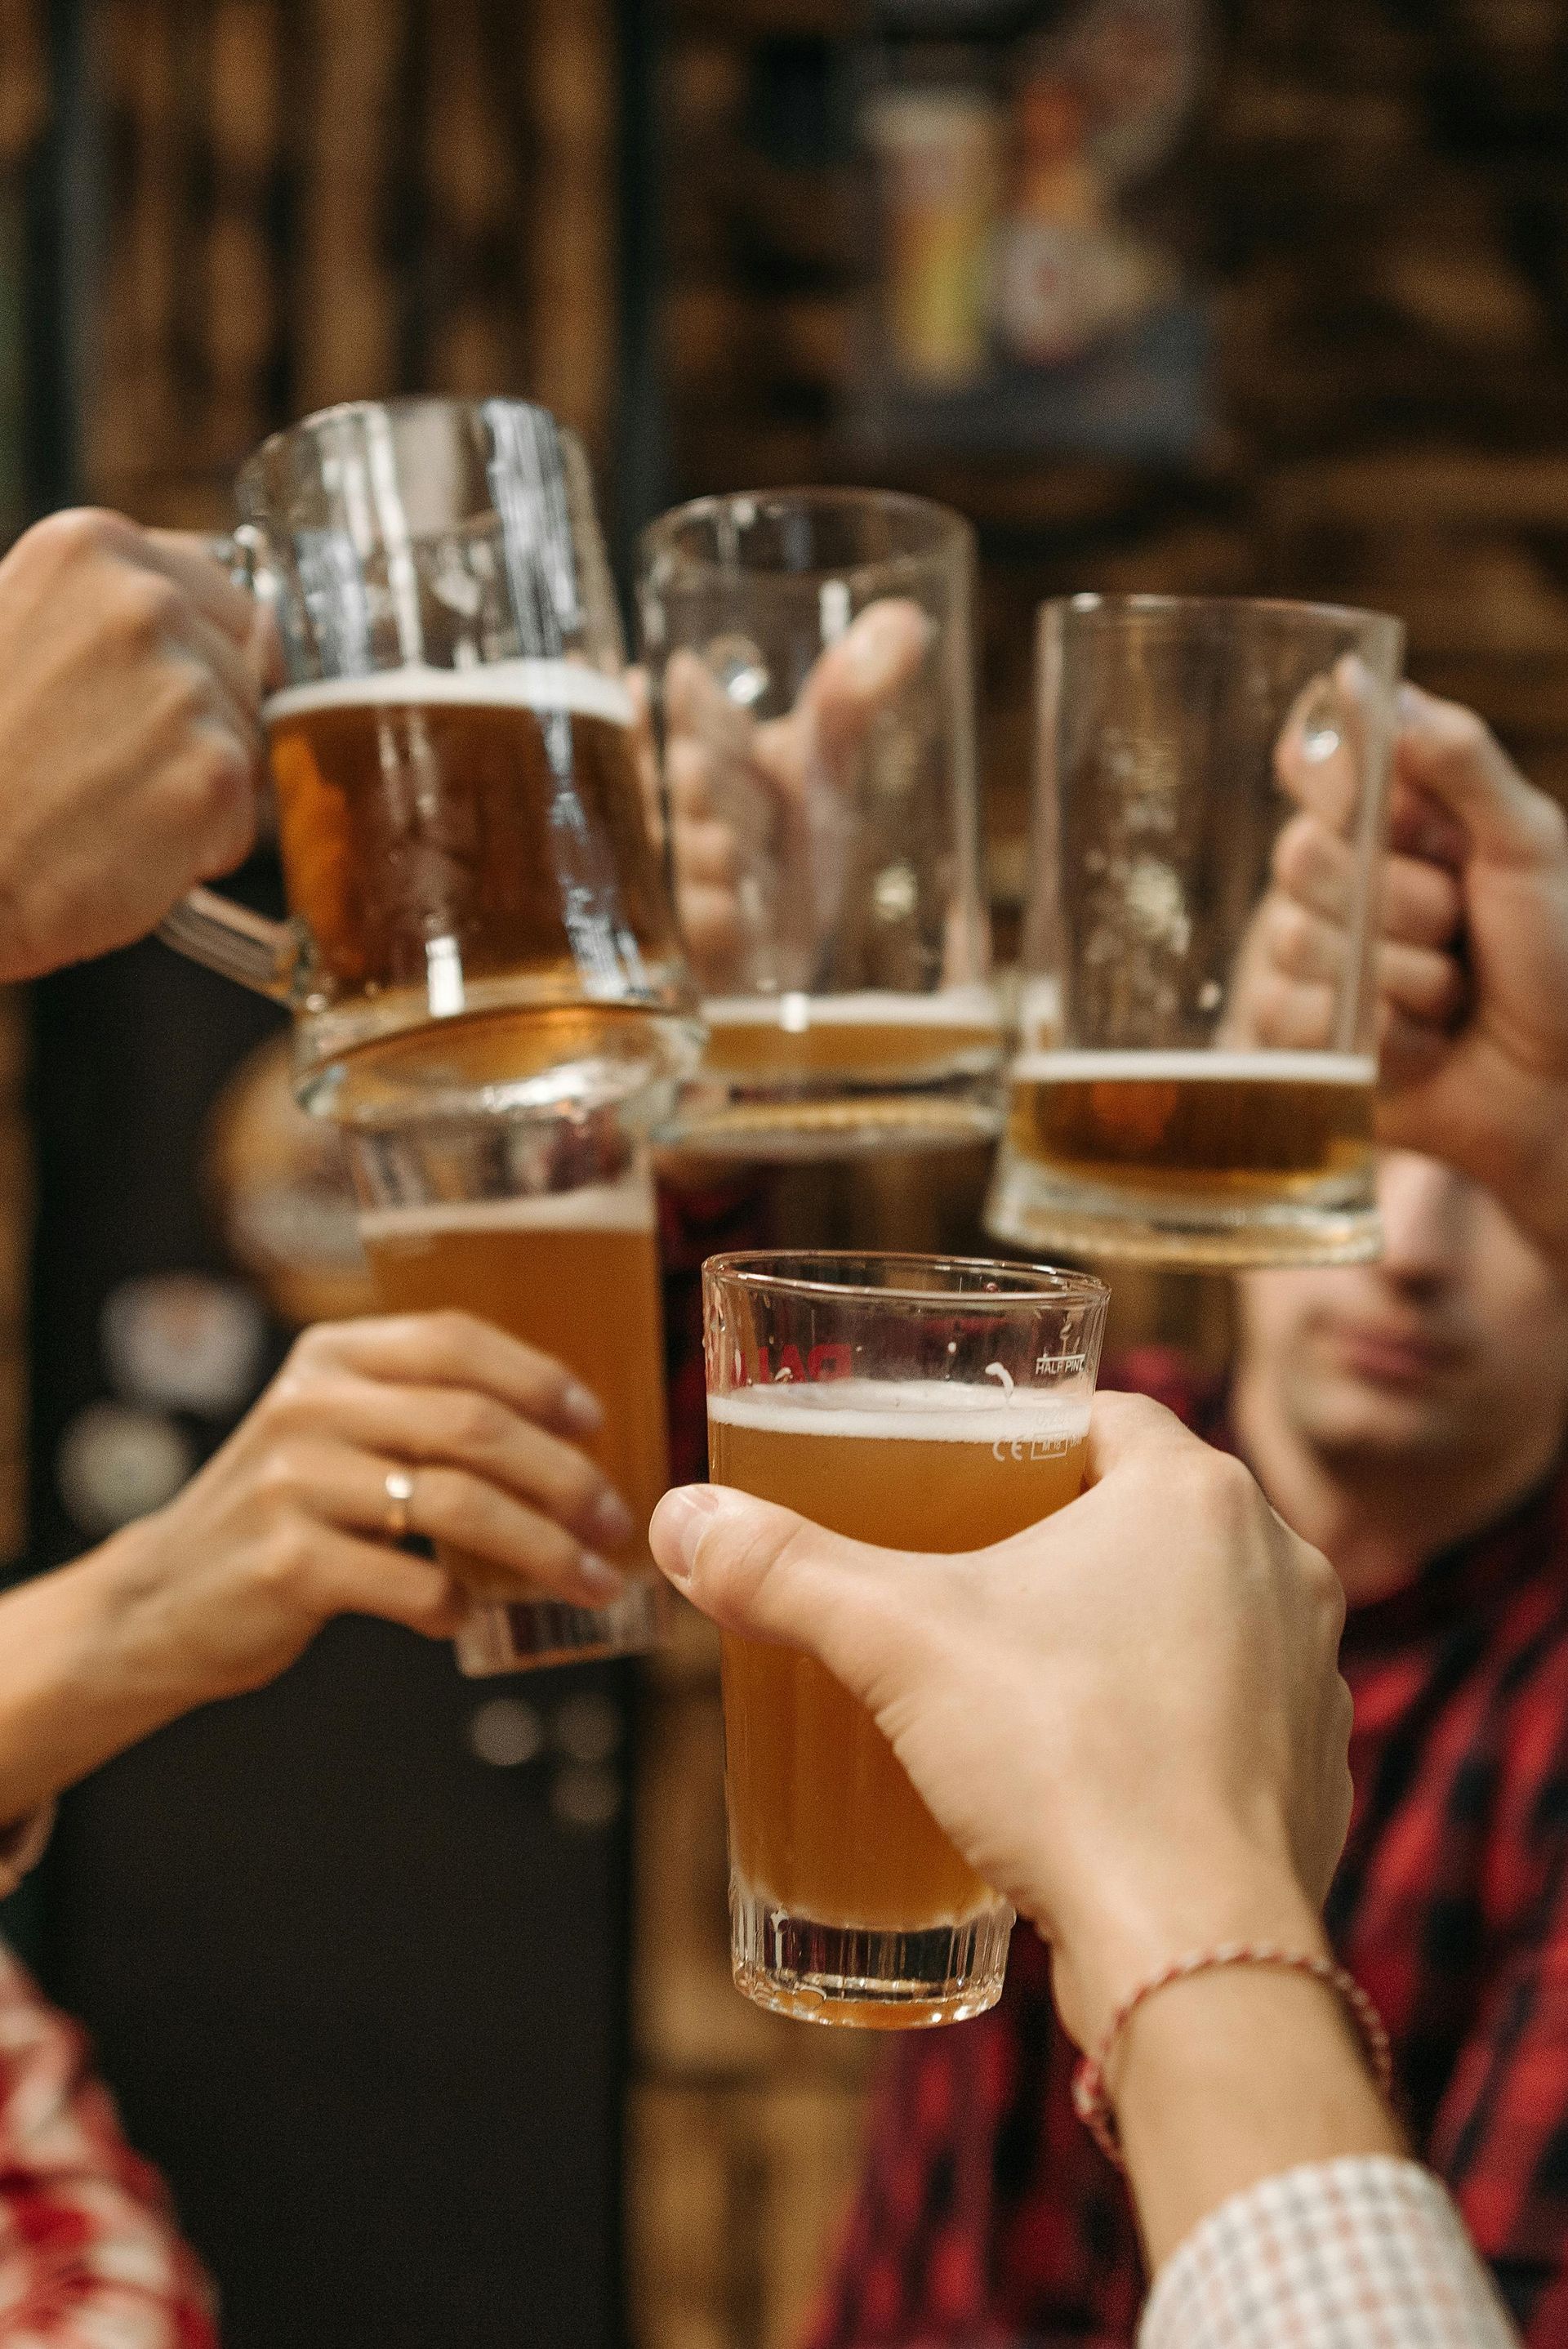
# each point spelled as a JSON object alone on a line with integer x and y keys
{"x": 1354, "y": 1418}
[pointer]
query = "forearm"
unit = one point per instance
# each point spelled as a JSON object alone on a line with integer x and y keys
{"x": 86, "y": 1669}
{"x": 1233, "y": 2077}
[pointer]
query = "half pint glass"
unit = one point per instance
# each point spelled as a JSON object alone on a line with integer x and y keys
{"x": 924, "y": 1404}
{"x": 1198, "y": 1049}
{"x": 813, "y": 666}
{"x": 461, "y": 816}
{"x": 544, "y": 1225}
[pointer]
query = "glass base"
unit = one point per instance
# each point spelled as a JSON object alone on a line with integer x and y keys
{"x": 867, "y": 1979}
{"x": 522, "y": 1636}
{"x": 781, "y": 1126}
{"x": 1033, "y": 1211}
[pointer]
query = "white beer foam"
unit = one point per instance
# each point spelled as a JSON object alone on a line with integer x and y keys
{"x": 627, "y": 1207}
{"x": 1065, "y": 1068}
{"x": 538, "y": 684}
{"x": 793, "y": 1014}
{"x": 927, "y": 1411}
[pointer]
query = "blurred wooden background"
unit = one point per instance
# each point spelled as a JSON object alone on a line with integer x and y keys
{"x": 305, "y": 204}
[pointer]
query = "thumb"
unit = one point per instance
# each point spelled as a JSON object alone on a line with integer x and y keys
{"x": 1446, "y": 752}
{"x": 758, "y": 1568}
{"x": 1125, "y": 1428}
{"x": 855, "y": 680}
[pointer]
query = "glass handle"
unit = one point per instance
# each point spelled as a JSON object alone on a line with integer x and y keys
{"x": 239, "y": 944}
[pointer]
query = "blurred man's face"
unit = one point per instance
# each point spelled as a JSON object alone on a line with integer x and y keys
{"x": 1453, "y": 1347}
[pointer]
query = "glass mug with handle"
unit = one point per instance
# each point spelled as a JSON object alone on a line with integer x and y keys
{"x": 810, "y": 660}
{"x": 1189, "y": 1088}
{"x": 476, "y": 894}
{"x": 915, "y": 1402}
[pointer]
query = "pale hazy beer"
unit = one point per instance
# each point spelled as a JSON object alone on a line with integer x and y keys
{"x": 576, "y": 1274}
{"x": 824, "y": 1821}
{"x": 918, "y": 1403}
{"x": 423, "y": 831}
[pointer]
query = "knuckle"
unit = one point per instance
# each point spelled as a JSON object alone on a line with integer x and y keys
{"x": 479, "y": 1425}
{"x": 287, "y": 1554}
{"x": 148, "y": 605}
{"x": 73, "y": 534}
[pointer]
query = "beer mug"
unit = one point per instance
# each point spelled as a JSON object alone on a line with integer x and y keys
{"x": 924, "y": 1404}
{"x": 1180, "y": 1094}
{"x": 811, "y": 665}
{"x": 542, "y": 1221}
{"x": 465, "y": 848}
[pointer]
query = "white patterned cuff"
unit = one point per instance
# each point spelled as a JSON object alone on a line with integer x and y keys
{"x": 1365, "y": 2252}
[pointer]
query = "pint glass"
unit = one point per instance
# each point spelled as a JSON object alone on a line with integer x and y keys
{"x": 924, "y": 1404}
{"x": 543, "y": 1222}
{"x": 460, "y": 818}
{"x": 812, "y": 663}
{"x": 1179, "y": 1096}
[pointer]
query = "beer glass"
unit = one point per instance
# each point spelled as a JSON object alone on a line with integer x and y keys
{"x": 1195, "y": 1078}
{"x": 461, "y": 824}
{"x": 922, "y": 1403}
{"x": 543, "y": 1222}
{"x": 811, "y": 665}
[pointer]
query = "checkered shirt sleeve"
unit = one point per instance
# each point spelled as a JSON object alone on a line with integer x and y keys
{"x": 1367, "y": 2253}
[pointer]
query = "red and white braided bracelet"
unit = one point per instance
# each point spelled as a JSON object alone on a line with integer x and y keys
{"x": 1091, "y": 2101}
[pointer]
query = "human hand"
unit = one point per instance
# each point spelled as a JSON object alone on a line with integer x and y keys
{"x": 758, "y": 809}
{"x": 288, "y": 1524}
{"x": 131, "y": 670}
{"x": 1129, "y": 1719}
{"x": 1473, "y": 958}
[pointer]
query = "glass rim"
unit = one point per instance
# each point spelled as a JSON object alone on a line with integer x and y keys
{"x": 400, "y": 403}
{"x": 1031, "y": 1284}
{"x": 951, "y": 530}
{"x": 1092, "y": 604}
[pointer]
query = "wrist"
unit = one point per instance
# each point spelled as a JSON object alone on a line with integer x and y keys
{"x": 140, "y": 1640}
{"x": 1125, "y": 1928}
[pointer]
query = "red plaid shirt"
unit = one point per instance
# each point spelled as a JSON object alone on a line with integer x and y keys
{"x": 986, "y": 2212}
{"x": 89, "y": 2254}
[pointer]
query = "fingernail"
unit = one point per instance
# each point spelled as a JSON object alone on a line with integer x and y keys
{"x": 1412, "y": 702}
{"x": 610, "y": 1521}
{"x": 582, "y": 1407}
{"x": 679, "y": 1522}
{"x": 599, "y": 1578}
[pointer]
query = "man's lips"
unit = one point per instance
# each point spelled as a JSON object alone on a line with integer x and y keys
{"x": 1391, "y": 1356}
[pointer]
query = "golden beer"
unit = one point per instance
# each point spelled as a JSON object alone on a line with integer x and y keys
{"x": 880, "y": 1038}
{"x": 437, "y": 827}
{"x": 824, "y": 1824}
{"x": 1279, "y": 1125}
{"x": 575, "y": 1274}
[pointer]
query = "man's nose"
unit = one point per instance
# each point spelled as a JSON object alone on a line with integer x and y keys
{"x": 1422, "y": 1206}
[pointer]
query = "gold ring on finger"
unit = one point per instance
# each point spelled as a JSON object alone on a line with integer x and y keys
{"x": 400, "y": 1495}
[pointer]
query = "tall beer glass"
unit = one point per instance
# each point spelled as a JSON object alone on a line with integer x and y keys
{"x": 1196, "y": 1074}
{"x": 462, "y": 827}
{"x": 922, "y": 1403}
{"x": 544, "y": 1223}
{"x": 812, "y": 661}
